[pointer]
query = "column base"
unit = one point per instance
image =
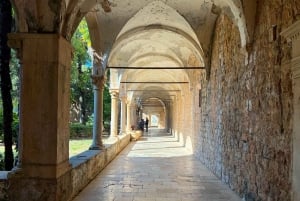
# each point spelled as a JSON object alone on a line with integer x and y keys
{"x": 97, "y": 147}
{"x": 23, "y": 188}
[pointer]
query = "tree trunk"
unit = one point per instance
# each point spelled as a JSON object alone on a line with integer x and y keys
{"x": 6, "y": 85}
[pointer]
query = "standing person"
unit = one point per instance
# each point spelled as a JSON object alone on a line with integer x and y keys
{"x": 146, "y": 124}
{"x": 141, "y": 124}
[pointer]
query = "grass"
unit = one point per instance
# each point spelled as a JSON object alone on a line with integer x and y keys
{"x": 75, "y": 147}
{"x": 78, "y": 146}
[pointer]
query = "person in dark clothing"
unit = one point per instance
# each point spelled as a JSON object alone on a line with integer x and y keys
{"x": 141, "y": 124}
{"x": 146, "y": 124}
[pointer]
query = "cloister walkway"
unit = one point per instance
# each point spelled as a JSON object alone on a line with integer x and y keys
{"x": 156, "y": 168}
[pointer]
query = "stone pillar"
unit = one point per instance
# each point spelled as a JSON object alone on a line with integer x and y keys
{"x": 129, "y": 119}
{"x": 171, "y": 106}
{"x": 114, "y": 113}
{"x": 293, "y": 35}
{"x": 123, "y": 115}
{"x": 131, "y": 116}
{"x": 168, "y": 113}
{"x": 44, "y": 170}
{"x": 98, "y": 86}
{"x": 176, "y": 115}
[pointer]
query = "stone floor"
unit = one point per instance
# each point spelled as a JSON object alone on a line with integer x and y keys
{"x": 156, "y": 168}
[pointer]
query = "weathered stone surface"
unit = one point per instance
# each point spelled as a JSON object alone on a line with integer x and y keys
{"x": 22, "y": 188}
{"x": 246, "y": 111}
{"x": 246, "y": 121}
{"x": 85, "y": 167}
{"x": 3, "y": 185}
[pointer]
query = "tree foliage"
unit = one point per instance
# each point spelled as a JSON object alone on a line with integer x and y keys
{"x": 81, "y": 86}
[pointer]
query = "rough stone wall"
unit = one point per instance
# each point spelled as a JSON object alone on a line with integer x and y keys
{"x": 3, "y": 189}
{"x": 246, "y": 120}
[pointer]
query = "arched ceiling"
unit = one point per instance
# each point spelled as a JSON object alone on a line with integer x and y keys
{"x": 153, "y": 103}
{"x": 64, "y": 16}
{"x": 156, "y": 36}
{"x": 145, "y": 33}
{"x": 200, "y": 15}
{"x": 159, "y": 83}
{"x": 139, "y": 43}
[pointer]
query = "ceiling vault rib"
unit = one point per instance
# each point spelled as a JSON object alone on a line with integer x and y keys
{"x": 160, "y": 27}
{"x": 155, "y": 82}
{"x": 158, "y": 68}
{"x": 152, "y": 90}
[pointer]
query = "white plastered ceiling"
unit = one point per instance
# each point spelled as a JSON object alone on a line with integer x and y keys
{"x": 158, "y": 33}
{"x": 156, "y": 36}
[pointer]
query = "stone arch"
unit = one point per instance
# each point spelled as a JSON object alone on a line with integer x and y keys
{"x": 163, "y": 25}
{"x": 234, "y": 10}
{"x": 62, "y": 17}
{"x": 76, "y": 10}
{"x": 39, "y": 16}
{"x": 147, "y": 75}
{"x": 93, "y": 26}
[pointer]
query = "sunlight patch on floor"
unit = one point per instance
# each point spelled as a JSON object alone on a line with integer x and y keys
{"x": 158, "y": 147}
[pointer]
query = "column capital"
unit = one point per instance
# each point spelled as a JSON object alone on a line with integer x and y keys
{"x": 98, "y": 80}
{"x": 29, "y": 45}
{"x": 114, "y": 93}
{"x": 98, "y": 64}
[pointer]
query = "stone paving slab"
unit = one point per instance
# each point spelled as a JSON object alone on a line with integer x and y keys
{"x": 156, "y": 168}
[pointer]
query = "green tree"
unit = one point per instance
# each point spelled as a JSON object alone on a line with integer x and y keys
{"x": 6, "y": 84}
{"x": 81, "y": 87}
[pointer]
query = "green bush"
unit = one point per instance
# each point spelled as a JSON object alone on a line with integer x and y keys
{"x": 78, "y": 130}
{"x": 2, "y": 163}
{"x": 15, "y": 127}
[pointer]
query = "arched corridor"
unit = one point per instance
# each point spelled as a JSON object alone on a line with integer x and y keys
{"x": 156, "y": 168}
{"x": 221, "y": 76}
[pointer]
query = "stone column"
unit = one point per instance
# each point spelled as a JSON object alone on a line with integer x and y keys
{"x": 129, "y": 119}
{"x": 168, "y": 113}
{"x": 114, "y": 113}
{"x": 171, "y": 117}
{"x": 123, "y": 115}
{"x": 44, "y": 118}
{"x": 176, "y": 115}
{"x": 293, "y": 35}
{"x": 98, "y": 86}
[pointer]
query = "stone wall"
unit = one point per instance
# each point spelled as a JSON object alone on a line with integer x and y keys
{"x": 3, "y": 185}
{"x": 85, "y": 167}
{"x": 246, "y": 119}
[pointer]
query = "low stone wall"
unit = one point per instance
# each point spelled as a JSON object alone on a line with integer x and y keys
{"x": 3, "y": 185}
{"x": 88, "y": 164}
{"x": 85, "y": 167}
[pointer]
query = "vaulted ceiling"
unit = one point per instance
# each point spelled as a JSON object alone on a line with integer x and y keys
{"x": 142, "y": 33}
{"x": 159, "y": 33}
{"x": 199, "y": 14}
